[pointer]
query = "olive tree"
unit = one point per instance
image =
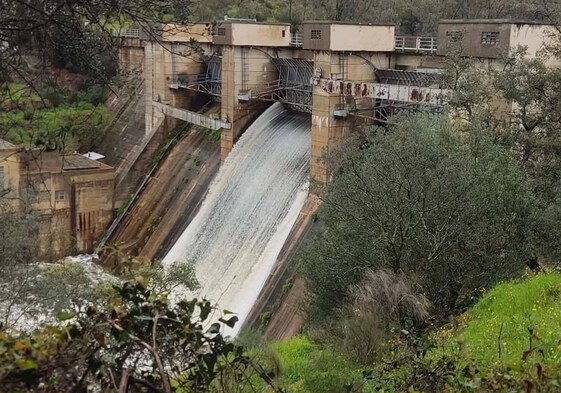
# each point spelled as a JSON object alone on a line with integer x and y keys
{"x": 425, "y": 199}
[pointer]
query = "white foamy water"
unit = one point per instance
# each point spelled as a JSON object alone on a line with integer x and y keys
{"x": 248, "y": 212}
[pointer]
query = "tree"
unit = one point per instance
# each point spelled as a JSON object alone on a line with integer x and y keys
{"x": 82, "y": 35}
{"x": 16, "y": 261}
{"x": 425, "y": 199}
{"x": 138, "y": 341}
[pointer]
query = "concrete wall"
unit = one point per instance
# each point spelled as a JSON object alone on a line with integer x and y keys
{"x": 10, "y": 168}
{"x": 534, "y": 38}
{"x": 340, "y": 36}
{"x": 261, "y": 35}
{"x": 163, "y": 63}
{"x": 92, "y": 199}
{"x": 200, "y": 32}
{"x": 316, "y": 36}
{"x": 74, "y": 206}
{"x": 252, "y": 34}
{"x": 243, "y": 69}
{"x": 362, "y": 38}
{"x": 470, "y": 38}
{"x": 328, "y": 130}
{"x": 511, "y": 35}
{"x": 131, "y": 55}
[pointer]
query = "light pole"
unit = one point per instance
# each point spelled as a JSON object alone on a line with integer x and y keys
{"x": 290, "y": 12}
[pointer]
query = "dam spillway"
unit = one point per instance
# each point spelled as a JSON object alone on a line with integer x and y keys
{"x": 249, "y": 210}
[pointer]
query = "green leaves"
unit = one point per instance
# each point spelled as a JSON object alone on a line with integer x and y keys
{"x": 65, "y": 315}
{"x": 26, "y": 364}
{"x": 230, "y": 322}
{"x": 141, "y": 324}
{"x": 424, "y": 198}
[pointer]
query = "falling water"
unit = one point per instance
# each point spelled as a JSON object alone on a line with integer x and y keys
{"x": 249, "y": 211}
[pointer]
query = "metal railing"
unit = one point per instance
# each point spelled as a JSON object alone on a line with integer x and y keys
{"x": 296, "y": 40}
{"x": 416, "y": 44}
{"x": 126, "y": 33}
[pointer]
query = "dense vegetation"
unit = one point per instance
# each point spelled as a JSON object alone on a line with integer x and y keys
{"x": 427, "y": 268}
{"x": 425, "y": 216}
{"x": 411, "y": 17}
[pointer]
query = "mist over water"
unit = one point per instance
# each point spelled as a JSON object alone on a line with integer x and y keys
{"x": 249, "y": 211}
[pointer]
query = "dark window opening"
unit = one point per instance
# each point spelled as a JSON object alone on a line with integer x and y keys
{"x": 221, "y": 31}
{"x": 490, "y": 37}
{"x": 454, "y": 36}
{"x": 283, "y": 33}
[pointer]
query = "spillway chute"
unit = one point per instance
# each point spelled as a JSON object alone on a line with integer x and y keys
{"x": 249, "y": 210}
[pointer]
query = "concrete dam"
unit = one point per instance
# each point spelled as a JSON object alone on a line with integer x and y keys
{"x": 239, "y": 221}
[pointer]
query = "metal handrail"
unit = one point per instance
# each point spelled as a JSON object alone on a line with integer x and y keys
{"x": 127, "y": 33}
{"x": 296, "y": 40}
{"x": 416, "y": 44}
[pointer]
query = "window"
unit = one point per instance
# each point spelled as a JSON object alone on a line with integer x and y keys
{"x": 222, "y": 31}
{"x": 32, "y": 191}
{"x": 490, "y": 37}
{"x": 454, "y": 36}
{"x": 315, "y": 35}
{"x": 60, "y": 196}
{"x": 283, "y": 33}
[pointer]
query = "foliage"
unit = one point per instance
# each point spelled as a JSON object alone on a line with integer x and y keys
{"x": 310, "y": 368}
{"x": 137, "y": 341}
{"x": 467, "y": 359}
{"x": 446, "y": 208}
{"x": 80, "y": 127}
{"x": 411, "y": 18}
{"x": 380, "y": 305}
{"x": 76, "y": 35}
{"x": 17, "y": 95}
{"x": 534, "y": 89}
{"x": 501, "y": 326}
{"x": 16, "y": 258}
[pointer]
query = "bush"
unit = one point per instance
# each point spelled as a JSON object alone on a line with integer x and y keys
{"x": 27, "y": 115}
{"x": 94, "y": 95}
{"x": 426, "y": 199}
{"x": 309, "y": 368}
{"x": 383, "y": 303}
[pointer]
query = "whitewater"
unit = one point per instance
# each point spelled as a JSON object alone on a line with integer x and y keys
{"x": 248, "y": 212}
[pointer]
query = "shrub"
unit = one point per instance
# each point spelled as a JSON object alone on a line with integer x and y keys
{"x": 27, "y": 115}
{"x": 382, "y": 303}
{"x": 310, "y": 368}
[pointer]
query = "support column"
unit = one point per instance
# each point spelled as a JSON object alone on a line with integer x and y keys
{"x": 326, "y": 128}
{"x": 243, "y": 68}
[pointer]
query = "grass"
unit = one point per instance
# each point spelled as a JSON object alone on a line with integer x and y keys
{"x": 17, "y": 94}
{"x": 310, "y": 368}
{"x": 526, "y": 308}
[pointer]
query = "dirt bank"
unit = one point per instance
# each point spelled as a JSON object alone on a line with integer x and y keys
{"x": 278, "y": 299}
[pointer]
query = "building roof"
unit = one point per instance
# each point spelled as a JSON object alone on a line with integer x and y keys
{"x": 494, "y": 21}
{"x": 250, "y": 22}
{"x": 5, "y": 145}
{"x": 78, "y": 162}
{"x": 340, "y": 22}
{"x": 92, "y": 155}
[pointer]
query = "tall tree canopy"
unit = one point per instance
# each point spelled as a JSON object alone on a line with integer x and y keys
{"x": 426, "y": 199}
{"x": 36, "y": 33}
